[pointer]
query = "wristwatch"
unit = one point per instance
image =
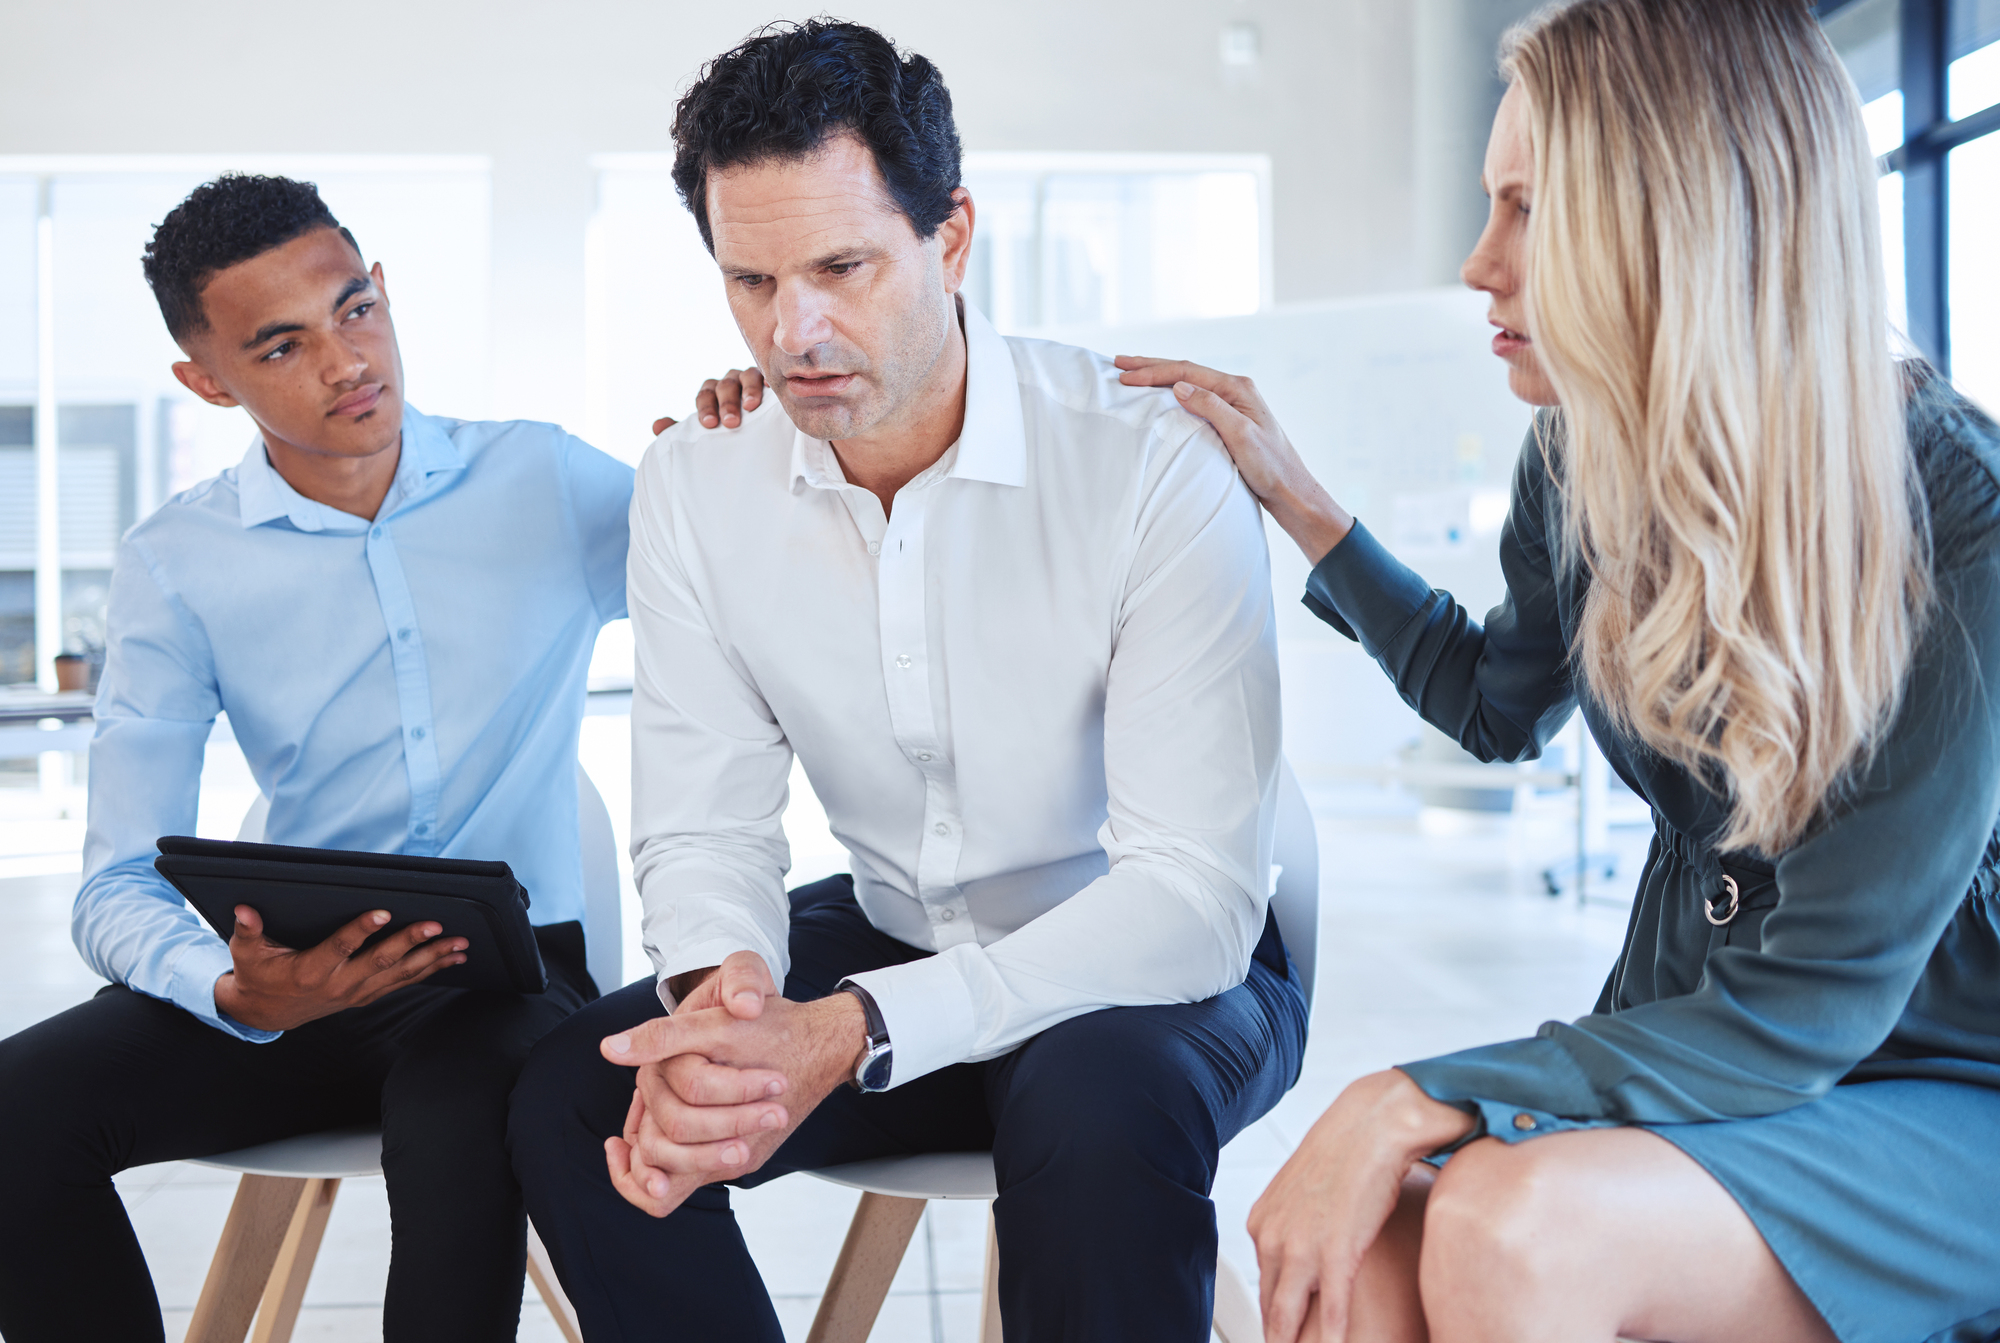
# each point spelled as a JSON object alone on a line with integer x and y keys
{"x": 872, "y": 1072}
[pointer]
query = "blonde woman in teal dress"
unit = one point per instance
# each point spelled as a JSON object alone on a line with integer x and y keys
{"x": 1762, "y": 557}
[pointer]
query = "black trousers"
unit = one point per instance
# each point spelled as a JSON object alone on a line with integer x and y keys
{"x": 1104, "y": 1132}
{"x": 124, "y": 1079}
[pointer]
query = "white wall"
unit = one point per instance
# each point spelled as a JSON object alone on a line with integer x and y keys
{"x": 541, "y": 87}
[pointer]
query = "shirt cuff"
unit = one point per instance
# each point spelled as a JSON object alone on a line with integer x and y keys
{"x": 192, "y": 987}
{"x": 927, "y": 1010}
{"x": 1363, "y": 591}
{"x": 701, "y": 955}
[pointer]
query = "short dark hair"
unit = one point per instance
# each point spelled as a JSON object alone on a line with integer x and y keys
{"x": 789, "y": 86}
{"x": 221, "y": 223}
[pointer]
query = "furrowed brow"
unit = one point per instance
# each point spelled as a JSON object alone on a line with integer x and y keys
{"x": 270, "y": 330}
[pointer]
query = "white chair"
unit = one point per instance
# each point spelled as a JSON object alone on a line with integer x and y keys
{"x": 268, "y": 1245}
{"x": 895, "y": 1189}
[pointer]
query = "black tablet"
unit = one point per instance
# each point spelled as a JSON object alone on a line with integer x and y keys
{"x": 305, "y": 895}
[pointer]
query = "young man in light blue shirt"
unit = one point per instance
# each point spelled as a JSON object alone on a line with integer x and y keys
{"x": 397, "y": 614}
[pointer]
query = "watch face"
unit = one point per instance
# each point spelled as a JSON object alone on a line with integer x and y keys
{"x": 875, "y": 1070}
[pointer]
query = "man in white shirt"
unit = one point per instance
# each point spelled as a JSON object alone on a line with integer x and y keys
{"x": 1015, "y": 620}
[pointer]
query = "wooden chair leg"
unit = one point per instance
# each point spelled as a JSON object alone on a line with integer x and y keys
{"x": 989, "y": 1296}
{"x": 251, "y": 1239}
{"x": 1238, "y": 1318}
{"x": 287, "y": 1287}
{"x": 542, "y": 1272}
{"x": 876, "y": 1239}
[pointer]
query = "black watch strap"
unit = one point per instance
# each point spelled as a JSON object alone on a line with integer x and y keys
{"x": 878, "y": 1030}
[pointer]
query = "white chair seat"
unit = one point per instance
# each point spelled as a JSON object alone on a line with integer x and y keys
{"x": 933, "y": 1175}
{"x": 332, "y": 1154}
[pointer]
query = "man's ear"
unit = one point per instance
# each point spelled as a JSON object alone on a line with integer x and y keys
{"x": 203, "y": 384}
{"x": 955, "y": 239}
{"x": 381, "y": 285}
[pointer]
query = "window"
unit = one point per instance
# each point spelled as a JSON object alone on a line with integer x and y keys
{"x": 1095, "y": 239}
{"x": 1104, "y": 239}
{"x": 1929, "y": 76}
{"x": 127, "y": 435}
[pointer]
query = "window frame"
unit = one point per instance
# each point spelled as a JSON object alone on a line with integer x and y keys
{"x": 1929, "y": 136}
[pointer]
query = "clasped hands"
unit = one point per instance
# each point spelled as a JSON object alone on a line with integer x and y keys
{"x": 724, "y": 1081}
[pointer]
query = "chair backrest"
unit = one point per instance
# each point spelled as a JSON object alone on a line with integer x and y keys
{"x": 1295, "y": 851}
{"x": 603, "y": 911}
{"x": 603, "y": 915}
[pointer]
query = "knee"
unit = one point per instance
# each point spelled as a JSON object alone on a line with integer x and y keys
{"x": 1499, "y": 1215}
{"x": 1106, "y": 1095}
{"x": 566, "y": 1089}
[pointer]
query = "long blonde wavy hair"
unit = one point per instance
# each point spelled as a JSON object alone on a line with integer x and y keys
{"x": 1705, "y": 291}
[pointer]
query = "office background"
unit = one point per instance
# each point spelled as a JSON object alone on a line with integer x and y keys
{"x": 1284, "y": 187}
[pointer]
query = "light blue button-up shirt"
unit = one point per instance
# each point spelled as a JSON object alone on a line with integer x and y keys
{"x": 408, "y": 685}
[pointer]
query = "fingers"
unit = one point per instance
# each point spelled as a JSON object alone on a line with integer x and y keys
{"x": 753, "y": 387}
{"x": 697, "y": 1081}
{"x": 1287, "y": 1300}
{"x": 698, "y": 1162}
{"x": 664, "y": 423}
{"x": 746, "y": 983}
{"x": 348, "y": 938}
{"x": 1231, "y": 423}
{"x": 688, "y": 1125}
{"x": 249, "y": 925}
{"x": 1140, "y": 370}
{"x": 723, "y": 400}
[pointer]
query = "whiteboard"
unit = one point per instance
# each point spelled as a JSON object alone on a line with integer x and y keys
{"x": 1398, "y": 405}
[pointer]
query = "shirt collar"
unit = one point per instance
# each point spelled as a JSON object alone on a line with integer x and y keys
{"x": 264, "y": 495}
{"x": 993, "y": 444}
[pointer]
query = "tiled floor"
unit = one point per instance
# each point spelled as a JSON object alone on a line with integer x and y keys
{"x": 1435, "y": 935}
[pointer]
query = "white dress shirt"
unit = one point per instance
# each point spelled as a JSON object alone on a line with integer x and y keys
{"x": 1039, "y": 701}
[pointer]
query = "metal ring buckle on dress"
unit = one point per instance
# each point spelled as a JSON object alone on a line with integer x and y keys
{"x": 1708, "y": 906}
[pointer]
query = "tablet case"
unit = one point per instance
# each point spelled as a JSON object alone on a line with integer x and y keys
{"x": 305, "y": 895}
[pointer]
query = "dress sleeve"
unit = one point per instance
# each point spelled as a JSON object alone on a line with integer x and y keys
{"x": 1862, "y": 903}
{"x": 1500, "y": 690}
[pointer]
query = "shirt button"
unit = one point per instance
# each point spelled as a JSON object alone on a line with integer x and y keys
{"x": 942, "y": 828}
{"x": 923, "y": 755}
{"x": 874, "y": 547}
{"x": 420, "y": 830}
{"x": 375, "y": 532}
{"x": 902, "y": 659}
{"x": 949, "y": 915}
{"x": 403, "y": 633}
{"x": 416, "y": 734}
{"x": 1524, "y": 1122}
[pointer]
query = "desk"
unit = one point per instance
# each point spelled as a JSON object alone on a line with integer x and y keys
{"x": 33, "y": 721}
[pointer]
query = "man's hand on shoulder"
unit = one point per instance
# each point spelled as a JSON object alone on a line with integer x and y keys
{"x": 723, "y": 402}
{"x": 707, "y": 1106}
{"x": 274, "y": 988}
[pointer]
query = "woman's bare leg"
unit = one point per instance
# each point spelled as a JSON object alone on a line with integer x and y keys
{"x": 1585, "y": 1236}
{"x": 1387, "y": 1305}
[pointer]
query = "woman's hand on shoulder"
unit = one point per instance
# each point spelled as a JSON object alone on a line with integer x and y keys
{"x": 723, "y": 402}
{"x": 1323, "y": 1210}
{"x": 1264, "y": 456}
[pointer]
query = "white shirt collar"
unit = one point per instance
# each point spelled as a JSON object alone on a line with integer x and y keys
{"x": 993, "y": 444}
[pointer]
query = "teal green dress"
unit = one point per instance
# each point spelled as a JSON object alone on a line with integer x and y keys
{"x": 1831, "y": 1053}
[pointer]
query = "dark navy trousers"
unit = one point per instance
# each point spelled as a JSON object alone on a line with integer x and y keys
{"x": 1104, "y": 1132}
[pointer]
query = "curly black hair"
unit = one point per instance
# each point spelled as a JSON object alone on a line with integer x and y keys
{"x": 788, "y": 86}
{"x": 221, "y": 223}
